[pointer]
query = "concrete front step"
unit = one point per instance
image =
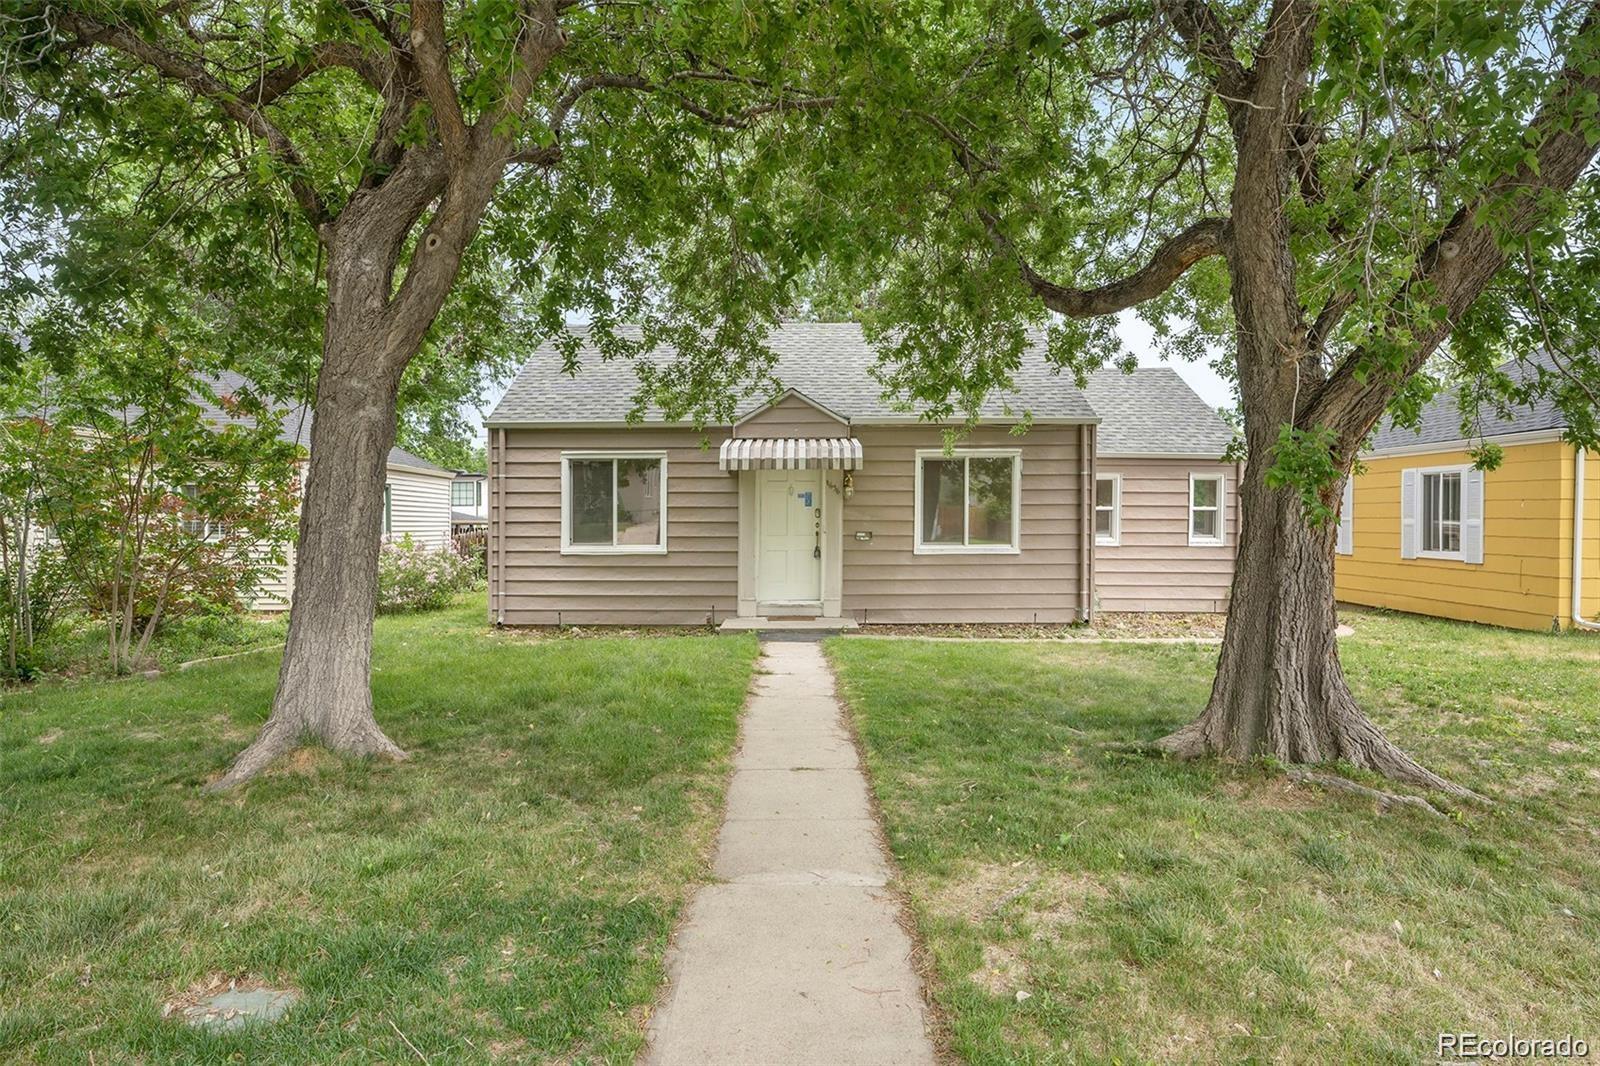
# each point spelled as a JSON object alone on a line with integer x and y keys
{"x": 788, "y": 625}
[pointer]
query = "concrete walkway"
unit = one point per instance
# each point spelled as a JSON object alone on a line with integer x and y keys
{"x": 796, "y": 954}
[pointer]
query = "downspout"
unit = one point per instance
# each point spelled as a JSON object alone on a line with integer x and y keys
{"x": 1578, "y": 621}
{"x": 1085, "y": 520}
{"x": 500, "y": 530}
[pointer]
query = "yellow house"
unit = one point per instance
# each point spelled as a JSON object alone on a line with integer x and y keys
{"x": 1422, "y": 531}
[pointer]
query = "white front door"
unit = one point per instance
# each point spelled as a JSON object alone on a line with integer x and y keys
{"x": 788, "y": 534}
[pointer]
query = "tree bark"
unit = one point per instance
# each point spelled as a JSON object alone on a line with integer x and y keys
{"x": 324, "y": 684}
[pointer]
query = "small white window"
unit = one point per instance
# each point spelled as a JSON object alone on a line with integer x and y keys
{"x": 1205, "y": 509}
{"x": 464, "y": 494}
{"x": 197, "y": 525}
{"x": 1108, "y": 509}
{"x": 968, "y": 502}
{"x": 1441, "y": 514}
{"x": 614, "y": 503}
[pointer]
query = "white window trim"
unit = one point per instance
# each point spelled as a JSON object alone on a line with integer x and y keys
{"x": 1114, "y": 538}
{"x": 569, "y": 548}
{"x": 1459, "y": 555}
{"x": 1014, "y": 548}
{"x": 1221, "y": 539}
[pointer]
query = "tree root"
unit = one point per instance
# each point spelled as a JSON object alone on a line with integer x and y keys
{"x": 278, "y": 739}
{"x": 1361, "y": 745}
{"x": 1189, "y": 743}
{"x": 1385, "y": 800}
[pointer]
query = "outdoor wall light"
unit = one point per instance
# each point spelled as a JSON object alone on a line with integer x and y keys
{"x": 849, "y": 485}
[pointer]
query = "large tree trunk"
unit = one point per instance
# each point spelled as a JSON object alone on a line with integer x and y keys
{"x": 324, "y": 685}
{"x": 373, "y": 329}
{"x": 1279, "y": 689}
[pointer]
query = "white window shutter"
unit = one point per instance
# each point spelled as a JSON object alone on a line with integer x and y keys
{"x": 1472, "y": 516}
{"x": 1347, "y": 514}
{"x": 1408, "y": 514}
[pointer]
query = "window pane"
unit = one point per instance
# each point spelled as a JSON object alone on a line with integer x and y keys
{"x": 591, "y": 501}
{"x": 1450, "y": 513}
{"x": 941, "y": 501}
{"x": 638, "y": 501}
{"x": 1203, "y": 524}
{"x": 1205, "y": 492}
{"x": 1102, "y": 521}
{"x": 193, "y": 525}
{"x": 1105, "y": 492}
{"x": 1431, "y": 512}
{"x": 989, "y": 501}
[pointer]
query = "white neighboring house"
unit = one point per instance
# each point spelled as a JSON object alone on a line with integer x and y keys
{"x": 416, "y": 493}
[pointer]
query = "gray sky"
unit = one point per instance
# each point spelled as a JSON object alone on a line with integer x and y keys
{"x": 1135, "y": 334}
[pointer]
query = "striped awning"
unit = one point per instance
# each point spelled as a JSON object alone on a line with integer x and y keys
{"x": 791, "y": 453}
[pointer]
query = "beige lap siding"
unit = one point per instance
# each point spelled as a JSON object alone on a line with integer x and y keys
{"x": 537, "y": 585}
{"x": 885, "y": 581}
{"x": 1155, "y": 568}
{"x": 791, "y": 417}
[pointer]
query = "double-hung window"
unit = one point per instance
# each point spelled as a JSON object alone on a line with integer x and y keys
{"x": 1108, "y": 509}
{"x": 1441, "y": 513}
{"x": 466, "y": 494}
{"x": 1205, "y": 509}
{"x": 968, "y": 501}
{"x": 614, "y": 503}
{"x": 196, "y": 524}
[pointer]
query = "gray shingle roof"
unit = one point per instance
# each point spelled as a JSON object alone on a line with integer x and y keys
{"x": 1153, "y": 411}
{"x": 829, "y": 362}
{"x": 296, "y": 425}
{"x": 1441, "y": 417}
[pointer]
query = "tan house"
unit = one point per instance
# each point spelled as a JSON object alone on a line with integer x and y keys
{"x": 1166, "y": 511}
{"x": 827, "y": 501}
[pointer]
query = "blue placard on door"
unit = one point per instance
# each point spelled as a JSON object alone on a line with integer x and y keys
{"x": 805, "y": 497}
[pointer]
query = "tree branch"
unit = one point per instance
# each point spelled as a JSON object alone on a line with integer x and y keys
{"x": 1205, "y": 238}
{"x": 1199, "y": 24}
{"x": 191, "y": 72}
{"x": 1470, "y": 249}
{"x": 324, "y": 56}
{"x": 433, "y": 67}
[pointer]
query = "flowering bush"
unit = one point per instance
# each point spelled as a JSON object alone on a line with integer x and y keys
{"x": 412, "y": 577}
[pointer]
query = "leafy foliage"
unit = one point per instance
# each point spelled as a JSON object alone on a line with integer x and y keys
{"x": 154, "y": 509}
{"x": 414, "y": 577}
{"x": 1003, "y": 168}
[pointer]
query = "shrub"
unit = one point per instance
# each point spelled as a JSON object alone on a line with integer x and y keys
{"x": 50, "y": 594}
{"x": 412, "y": 577}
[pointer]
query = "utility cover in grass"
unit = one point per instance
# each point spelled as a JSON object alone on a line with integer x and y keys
{"x": 234, "y": 1007}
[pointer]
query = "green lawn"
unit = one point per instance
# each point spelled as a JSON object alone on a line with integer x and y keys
{"x": 1154, "y": 911}
{"x": 506, "y": 894}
